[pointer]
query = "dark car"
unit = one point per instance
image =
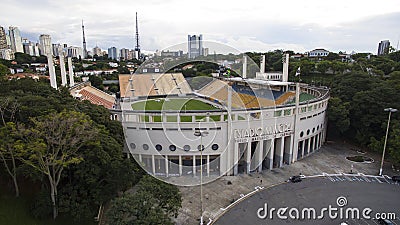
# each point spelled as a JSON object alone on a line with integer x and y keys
{"x": 396, "y": 178}
{"x": 295, "y": 179}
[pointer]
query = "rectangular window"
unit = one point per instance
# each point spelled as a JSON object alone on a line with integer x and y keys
{"x": 215, "y": 128}
{"x": 278, "y": 113}
{"x": 186, "y": 129}
{"x": 287, "y": 112}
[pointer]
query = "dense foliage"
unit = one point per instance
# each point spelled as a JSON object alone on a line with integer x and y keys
{"x": 360, "y": 91}
{"x": 153, "y": 202}
{"x": 96, "y": 171}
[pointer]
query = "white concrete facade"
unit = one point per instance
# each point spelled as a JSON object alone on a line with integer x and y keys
{"x": 246, "y": 141}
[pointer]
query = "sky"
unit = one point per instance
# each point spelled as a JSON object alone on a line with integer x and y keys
{"x": 252, "y": 25}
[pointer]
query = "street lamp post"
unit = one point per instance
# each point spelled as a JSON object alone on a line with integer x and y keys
{"x": 201, "y": 134}
{"x": 390, "y": 110}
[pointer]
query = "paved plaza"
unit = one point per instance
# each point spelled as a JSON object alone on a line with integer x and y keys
{"x": 330, "y": 159}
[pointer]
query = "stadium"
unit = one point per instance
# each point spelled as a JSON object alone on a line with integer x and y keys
{"x": 231, "y": 125}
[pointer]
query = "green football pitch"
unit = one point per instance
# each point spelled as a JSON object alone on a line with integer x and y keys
{"x": 180, "y": 104}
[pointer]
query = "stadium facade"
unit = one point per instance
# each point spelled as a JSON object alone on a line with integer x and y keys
{"x": 256, "y": 124}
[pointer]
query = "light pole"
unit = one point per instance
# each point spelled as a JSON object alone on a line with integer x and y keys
{"x": 390, "y": 110}
{"x": 201, "y": 134}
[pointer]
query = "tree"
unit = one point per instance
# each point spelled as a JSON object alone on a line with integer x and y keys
{"x": 154, "y": 202}
{"x": 54, "y": 143}
{"x": 9, "y": 138}
{"x": 96, "y": 180}
{"x": 394, "y": 141}
{"x": 332, "y": 56}
{"x": 4, "y": 71}
{"x": 22, "y": 58}
{"x": 338, "y": 114}
{"x": 337, "y": 66}
{"x": 167, "y": 195}
{"x": 123, "y": 70}
{"x": 96, "y": 81}
{"x": 138, "y": 208}
{"x": 307, "y": 66}
{"x": 323, "y": 66}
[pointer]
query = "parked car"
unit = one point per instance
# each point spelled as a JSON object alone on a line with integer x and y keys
{"x": 295, "y": 179}
{"x": 396, "y": 178}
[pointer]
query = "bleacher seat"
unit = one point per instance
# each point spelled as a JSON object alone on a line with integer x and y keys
{"x": 154, "y": 84}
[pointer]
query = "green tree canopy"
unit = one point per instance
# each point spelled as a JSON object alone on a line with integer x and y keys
{"x": 4, "y": 71}
{"x": 54, "y": 143}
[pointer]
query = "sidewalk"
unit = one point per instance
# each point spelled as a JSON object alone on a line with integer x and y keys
{"x": 331, "y": 158}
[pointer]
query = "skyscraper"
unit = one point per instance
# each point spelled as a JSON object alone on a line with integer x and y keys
{"x": 45, "y": 45}
{"x": 56, "y": 48}
{"x": 3, "y": 39}
{"x": 195, "y": 46}
{"x": 124, "y": 54}
{"x": 29, "y": 47}
{"x": 74, "y": 52}
{"x": 15, "y": 39}
{"x": 112, "y": 53}
{"x": 97, "y": 51}
{"x": 383, "y": 47}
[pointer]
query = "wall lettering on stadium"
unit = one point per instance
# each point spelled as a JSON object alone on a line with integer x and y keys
{"x": 263, "y": 131}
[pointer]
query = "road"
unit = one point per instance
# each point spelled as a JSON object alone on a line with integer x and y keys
{"x": 380, "y": 195}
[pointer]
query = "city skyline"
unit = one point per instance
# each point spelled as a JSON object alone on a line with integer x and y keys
{"x": 335, "y": 26}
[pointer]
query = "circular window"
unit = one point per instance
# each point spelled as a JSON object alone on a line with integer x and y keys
{"x": 172, "y": 147}
{"x": 301, "y": 134}
{"x": 145, "y": 147}
{"x": 158, "y": 147}
{"x": 214, "y": 147}
{"x": 308, "y": 131}
{"x": 133, "y": 146}
{"x": 200, "y": 147}
{"x": 186, "y": 148}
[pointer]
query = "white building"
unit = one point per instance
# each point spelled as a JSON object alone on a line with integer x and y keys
{"x": 46, "y": 47}
{"x": 383, "y": 47}
{"x": 257, "y": 125}
{"x": 74, "y": 52}
{"x": 318, "y": 53}
{"x": 56, "y": 49}
{"x": 124, "y": 54}
{"x": 195, "y": 46}
{"x": 3, "y": 39}
{"x": 6, "y": 54}
{"x": 113, "y": 53}
{"x": 97, "y": 51}
{"x": 15, "y": 39}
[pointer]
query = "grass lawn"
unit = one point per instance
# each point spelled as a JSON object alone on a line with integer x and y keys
{"x": 15, "y": 211}
{"x": 180, "y": 104}
{"x": 172, "y": 104}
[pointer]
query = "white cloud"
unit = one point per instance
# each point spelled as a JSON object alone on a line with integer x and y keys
{"x": 248, "y": 25}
